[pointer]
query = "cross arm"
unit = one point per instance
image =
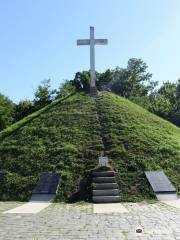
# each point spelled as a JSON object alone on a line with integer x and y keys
{"x": 83, "y": 42}
{"x": 101, "y": 41}
{"x": 96, "y": 42}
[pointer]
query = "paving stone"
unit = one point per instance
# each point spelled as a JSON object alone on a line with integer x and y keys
{"x": 77, "y": 221}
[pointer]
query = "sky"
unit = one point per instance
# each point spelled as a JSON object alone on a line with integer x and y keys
{"x": 38, "y": 40}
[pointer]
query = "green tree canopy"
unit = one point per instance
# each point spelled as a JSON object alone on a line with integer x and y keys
{"x": 134, "y": 80}
{"x": 65, "y": 89}
{"x": 44, "y": 95}
{"x": 81, "y": 81}
{"x": 23, "y": 109}
{"x": 7, "y": 108}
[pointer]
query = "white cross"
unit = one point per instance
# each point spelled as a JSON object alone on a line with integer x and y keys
{"x": 92, "y": 42}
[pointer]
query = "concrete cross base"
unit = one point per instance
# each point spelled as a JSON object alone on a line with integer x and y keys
{"x": 93, "y": 91}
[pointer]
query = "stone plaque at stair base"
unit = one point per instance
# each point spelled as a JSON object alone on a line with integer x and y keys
{"x": 159, "y": 182}
{"x": 48, "y": 184}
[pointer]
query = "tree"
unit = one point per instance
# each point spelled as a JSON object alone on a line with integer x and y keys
{"x": 168, "y": 102}
{"x": 81, "y": 81}
{"x": 161, "y": 106}
{"x": 65, "y": 89}
{"x": 7, "y": 108}
{"x": 44, "y": 95}
{"x": 104, "y": 79}
{"x": 169, "y": 91}
{"x": 23, "y": 109}
{"x": 132, "y": 81}
{"x": 175, "y": 118}
{"x": 178, "y": 94}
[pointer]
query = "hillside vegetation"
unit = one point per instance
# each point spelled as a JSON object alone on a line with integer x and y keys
{"x": 137, "y": 141}
{"x": 66, "y": 137}
{"x": 63, "y": 138}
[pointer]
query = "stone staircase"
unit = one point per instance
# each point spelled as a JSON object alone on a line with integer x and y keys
{"x": 105, "y": 188}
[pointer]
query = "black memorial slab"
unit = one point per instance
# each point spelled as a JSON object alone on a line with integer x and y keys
{"x": 2, "y": 176}
{"x": 48, "y": 184}
{"x": 159, "y": 182}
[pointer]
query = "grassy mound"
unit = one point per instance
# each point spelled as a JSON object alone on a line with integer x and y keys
{"x": 137, "y": 141}
{"x": 66, "y": 137}
{"x": 62, "y": 138}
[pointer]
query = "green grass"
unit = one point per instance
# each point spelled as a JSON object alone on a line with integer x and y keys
{"x": 137, "y": 141}
{"x": 65, "y": 138}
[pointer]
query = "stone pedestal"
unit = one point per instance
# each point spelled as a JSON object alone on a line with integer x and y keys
{"x": 93, "y": 91}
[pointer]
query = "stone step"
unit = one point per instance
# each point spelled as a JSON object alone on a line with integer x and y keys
{"x": 102, "y": 186}
{"x": 104, "y": 179}
{"x": 103, "y": 174}
{"x": 106, "y": 192}
{"x": 106, "y": 199}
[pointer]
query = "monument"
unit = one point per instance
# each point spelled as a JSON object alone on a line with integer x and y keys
{"x": 161, "y": 185}
{"x": 92, "y": 42}
{"x": 48, "y": 184}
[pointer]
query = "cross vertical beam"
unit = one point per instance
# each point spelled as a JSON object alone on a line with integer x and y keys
{"x": 92, "y": 42}
{"x": 92, "y": 58}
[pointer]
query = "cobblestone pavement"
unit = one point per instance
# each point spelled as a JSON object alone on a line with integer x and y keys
{"x": 77, "y": 221}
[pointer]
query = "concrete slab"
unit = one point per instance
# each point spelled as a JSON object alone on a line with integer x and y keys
{"x": 109, "y": 208}
{"x": 175, "y": 203}
{"x": 167, "y": 197}
{"x": 42, "y": 197}
{"x": 30, "y": 207}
